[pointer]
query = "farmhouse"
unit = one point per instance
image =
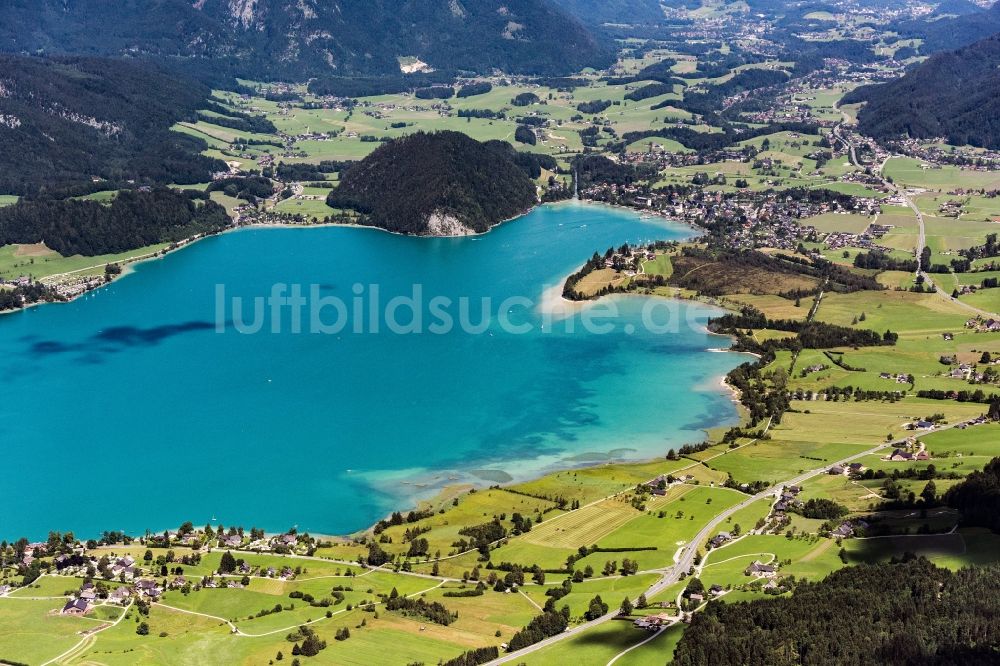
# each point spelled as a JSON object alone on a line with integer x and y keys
{"x": 652, "y": 622}
{"x": 720, "y": 538}
{"x": 148, "y": 588}
{"x": 761, "y": 570}
{"x": 76, "y": 607}
{"x": 844, "y": 530}
{"x": 658, "y": 486}
{"x": 231, "y": 541}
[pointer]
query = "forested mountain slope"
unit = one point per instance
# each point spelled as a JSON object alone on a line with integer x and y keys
{"x": 614, "y": 11}
{"x": 955, "y": 95}
{"x": 443, "y": 183}
{"x": 952, "y": 32}
{"x": 67, "y": 121}
{"x": 296, "y": 39}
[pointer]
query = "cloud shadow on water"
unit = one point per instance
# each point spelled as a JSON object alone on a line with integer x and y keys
{"x": 117, "y": 339}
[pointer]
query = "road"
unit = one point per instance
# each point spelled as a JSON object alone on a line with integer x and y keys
{"x": 685, "y": 560}
{"x": 921, "y": 243}
{"x": 921, "y": 231}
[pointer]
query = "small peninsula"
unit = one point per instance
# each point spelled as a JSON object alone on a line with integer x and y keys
{"x": 437, "y": 184}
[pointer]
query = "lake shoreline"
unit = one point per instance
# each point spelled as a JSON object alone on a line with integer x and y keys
{"x": 128, "y": 266}
{"x": 420, "y": 488}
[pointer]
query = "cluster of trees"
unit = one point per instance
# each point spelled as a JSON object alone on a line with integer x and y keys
{"x": 475, "y": 657}
{"x": 481, "y": 113}
{"x": 903, "y": 613}
{"x": 595, "y": 609}
{"x": 473, "y": 89}
{"x": 86, "y": 118}
{"x": 134, "y": 219}
{"x": 397, "y": 518}
{"x": 524, "y": 134}
{"x": 990, "y": 248}
{"x": 823, "y": 508}
{"x": 248, "y": 188}
{"x": 434, "y": 92}
{"x": 595, "y": 106}
{"x": 541, "y": 627}
{"x": 404, "y": 182}
{"x": 483, "y": 535}
{"x": 433, "y": 611}
{"x": 650, "y": 90}
{"x": 312, "y": 644}
{"x": 879, "y": 260}
{"x": 525, "y": 99}
{"x": 307, "y": 172}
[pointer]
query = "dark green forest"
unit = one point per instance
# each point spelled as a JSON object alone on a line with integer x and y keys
{"x": 402, "y": 183}
{"x": 134, "y": 219}
{"x": 905, "y": 613}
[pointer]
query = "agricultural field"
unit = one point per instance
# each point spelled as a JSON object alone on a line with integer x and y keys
{"x": 842, "y": 222}
{"x": 913, "y": 173}
{"x": 42, "y": 263}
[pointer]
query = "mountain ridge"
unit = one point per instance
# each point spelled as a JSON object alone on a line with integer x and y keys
{"x": 299, "y": 39}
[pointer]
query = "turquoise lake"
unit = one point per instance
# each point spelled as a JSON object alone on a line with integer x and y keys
{"x": 128, "y": 409}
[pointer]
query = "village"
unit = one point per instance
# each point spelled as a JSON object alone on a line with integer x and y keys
{"x": 112, "y": 578}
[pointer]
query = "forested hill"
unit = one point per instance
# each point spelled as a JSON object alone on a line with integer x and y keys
{"x": 298, "y": 39}
{"x": 443, "y": 183}
{"x": 955, "y": 95}
{"x": 893, "y": 614}
{"x": 66, "y": 122}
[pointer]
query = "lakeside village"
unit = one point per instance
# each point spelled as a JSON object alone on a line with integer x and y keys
{"x": 112, "y": 577}
{"x": 769, "y": 218}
